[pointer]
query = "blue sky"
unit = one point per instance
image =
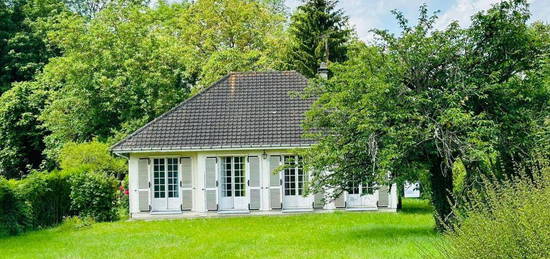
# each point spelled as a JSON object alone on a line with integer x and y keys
{"x": 369, "y": 14}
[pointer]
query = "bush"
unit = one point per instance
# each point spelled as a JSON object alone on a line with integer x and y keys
{"x": 75, "y": 222}
{"x": 47, "y": 195}
{"x": 94, "y": 155}
{"x": 123, "y": 201}
{"x": 93, "y": 195}
{"x": 15, "y": 216}
{"x": 503, "y": 219}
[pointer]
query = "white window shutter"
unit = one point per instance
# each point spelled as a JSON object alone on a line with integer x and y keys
{"x": 211, "y": 183}
{"x": 186, "y": 184}
{"x": 274, "y": 182}
{"x": 254, "y": 182}
{"x": 143, "y": 184}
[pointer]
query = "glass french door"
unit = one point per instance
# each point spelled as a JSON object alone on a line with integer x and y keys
{"x": 359, "y": 197}
{"x": 293, "y": 184}
{"x": 165, "y": 184}
{"x": 233, "y": 194}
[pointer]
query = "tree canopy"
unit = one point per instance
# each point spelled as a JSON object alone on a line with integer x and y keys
{"x": 127, "y": 63}
{"x": 427, "y": 98}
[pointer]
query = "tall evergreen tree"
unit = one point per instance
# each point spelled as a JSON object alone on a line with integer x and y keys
{"x": 319, "y": 33}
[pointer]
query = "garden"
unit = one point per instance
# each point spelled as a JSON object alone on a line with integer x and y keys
{"x": 461, "y": 109}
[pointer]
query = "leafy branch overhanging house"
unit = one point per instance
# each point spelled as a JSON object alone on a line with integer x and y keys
{"x": 216, "y": 152}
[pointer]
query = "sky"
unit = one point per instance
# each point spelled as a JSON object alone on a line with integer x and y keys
{"x": 369, "y": 14}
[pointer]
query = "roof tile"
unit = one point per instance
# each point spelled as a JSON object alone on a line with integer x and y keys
{"x": 242, "y": 109}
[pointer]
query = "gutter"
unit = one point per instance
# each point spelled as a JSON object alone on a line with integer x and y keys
{"x": 120, "y": 155}
{"x": 211, "y": 148}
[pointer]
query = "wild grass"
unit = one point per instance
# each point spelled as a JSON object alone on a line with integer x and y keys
{"x": 407, "y": 234}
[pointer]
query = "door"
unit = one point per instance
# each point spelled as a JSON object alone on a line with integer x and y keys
{"x": 359, "y": 197}
{"x": 166, "y": 193}
{"x": 233, "y": 195}
{"x": 293, "y": 184}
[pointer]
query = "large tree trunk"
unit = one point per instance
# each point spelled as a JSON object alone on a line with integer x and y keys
{"x": 400, "y": 192}
{"x": 442, "y": 199}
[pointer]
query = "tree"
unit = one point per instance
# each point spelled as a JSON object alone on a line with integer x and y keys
{"x": 319, "y": 33}
{"x": 425, "y": 99}
{"x": 137, "y": 62}
{"x": 23, "y": 47}
{"x": 249, "y": 32}
{"x": 21, "y": 136}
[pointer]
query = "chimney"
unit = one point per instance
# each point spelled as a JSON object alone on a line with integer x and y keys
{"x": 323, "y": 70}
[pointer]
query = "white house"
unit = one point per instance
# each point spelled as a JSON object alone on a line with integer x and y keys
{"x": 411, "y": 190}
{"x": 216, "y": 152}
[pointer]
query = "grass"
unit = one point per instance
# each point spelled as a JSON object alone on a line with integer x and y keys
{"x": 407, "y": 234}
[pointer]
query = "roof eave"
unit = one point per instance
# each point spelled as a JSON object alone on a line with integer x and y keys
{"x": 209, "y": 148}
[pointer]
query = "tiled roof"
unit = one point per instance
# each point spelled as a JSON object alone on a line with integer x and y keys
{"x": 252, "y": 109}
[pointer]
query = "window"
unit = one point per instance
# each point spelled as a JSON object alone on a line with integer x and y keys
{"x": 233, "y": 177}
{"x": 356, "y": 187}
{"x": 159, "y": 178}
{"x": 239, "y": 176}
{"x": 165, "y": 178}
{"x": 293, "y": 175}
{"x": 173, "y": 186}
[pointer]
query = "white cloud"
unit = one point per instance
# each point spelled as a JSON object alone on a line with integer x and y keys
{"x": 370, "y": 14}
{"x": 461, "y": 11}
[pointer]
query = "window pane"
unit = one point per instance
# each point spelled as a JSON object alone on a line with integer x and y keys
{"x": 226, "y": 177}
{"x": 173, "y": 184}
{"x": 158, "y": 178}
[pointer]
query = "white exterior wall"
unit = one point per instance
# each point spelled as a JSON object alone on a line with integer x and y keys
{"x": 393, "y": 197}
{"x": 198, "y": 167}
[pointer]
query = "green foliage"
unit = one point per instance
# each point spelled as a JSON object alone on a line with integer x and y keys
{"x": 123, "y": 198}
{"x": 94, "y": 155}
{"x": 93, "y": 195}
{"x": 21, "y": 136}
{"x": 75, "y": 223}
{"x": 44, "y": 199}
{"x": 422, "y": 100}
{"x": 15, "y": 216}
{"x": 502, "y": 219}
{"x": 47, "y": 196}
{"x": 23, "y": 47}
{"x": 140, "y": 61}
{"x": 230, "y": 35}
{"x": 319, "y": 33}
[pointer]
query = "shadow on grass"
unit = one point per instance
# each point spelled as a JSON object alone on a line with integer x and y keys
{"x": 392, "y": 232}
{"x": 416, "y": 206}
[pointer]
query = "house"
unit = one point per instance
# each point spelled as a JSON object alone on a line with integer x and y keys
{"x": 411, "y": 190}
{"x": 216, "y": 152}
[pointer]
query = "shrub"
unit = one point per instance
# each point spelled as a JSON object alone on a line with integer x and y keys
{"x": 123, "y": 201}
{"x": 93, "y": 195}
{"x": 15, "y": 216}
{"x": 503, "y": 219}
{"x": 75, "y": 222}
{"x": 47, "y": 195}
{"x": 94, "y": 155}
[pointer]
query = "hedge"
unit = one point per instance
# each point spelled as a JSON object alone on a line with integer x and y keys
{"x": 15, "y": 216}
{"x": 47, "y": 196}
{"x": 44, "y": 198}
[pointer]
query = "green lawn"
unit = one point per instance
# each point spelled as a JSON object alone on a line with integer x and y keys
{"x": 407, "y": 234}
